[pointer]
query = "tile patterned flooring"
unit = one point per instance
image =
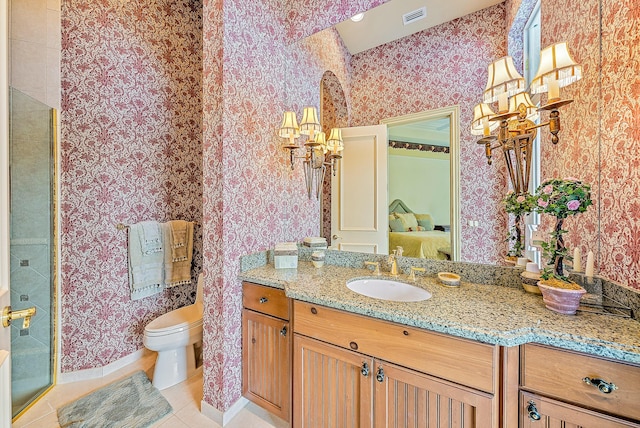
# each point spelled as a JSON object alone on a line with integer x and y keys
{"x": 185, "y": 399}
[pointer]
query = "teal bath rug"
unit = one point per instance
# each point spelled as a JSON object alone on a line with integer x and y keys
{"x": 127, "y": 403}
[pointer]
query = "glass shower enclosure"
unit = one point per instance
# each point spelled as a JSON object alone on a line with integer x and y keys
{"x": 32, "y": 133}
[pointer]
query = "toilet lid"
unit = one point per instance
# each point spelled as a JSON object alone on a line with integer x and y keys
{"x": 179, "y": 319}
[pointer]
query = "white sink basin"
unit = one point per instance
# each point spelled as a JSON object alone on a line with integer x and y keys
{"x": 387, "y": 289}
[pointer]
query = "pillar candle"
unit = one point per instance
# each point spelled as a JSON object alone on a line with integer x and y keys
{"x": 577, "y": 262}
{"x": 589, "y": 269}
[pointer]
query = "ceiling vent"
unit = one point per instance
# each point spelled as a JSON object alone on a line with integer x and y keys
{"x": 414, "y": 16}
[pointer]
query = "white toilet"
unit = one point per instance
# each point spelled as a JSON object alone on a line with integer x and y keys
{"x": 173, "y": 336}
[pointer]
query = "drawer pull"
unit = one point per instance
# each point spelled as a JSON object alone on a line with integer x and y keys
{"x": 353, "y": 345}
{"x": 283, "y": 332}
{"x": 263, "y": 300}
{"x": 380, "y": 375}
{"x": 314, "y": 311}
{"x": 604, "y": 387}
{"x": 365, "y": 369}
{"x": 533, "y": 411}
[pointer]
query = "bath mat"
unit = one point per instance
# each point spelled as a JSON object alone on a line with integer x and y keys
{"x": 132, "y": 402}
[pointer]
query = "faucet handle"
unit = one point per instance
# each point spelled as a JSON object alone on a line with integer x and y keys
{"x": 414, "y": 269}
{"x": 376, "y": 271}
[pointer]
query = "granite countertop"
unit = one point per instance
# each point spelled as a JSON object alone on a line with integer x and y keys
{"x": 488, "y": 313}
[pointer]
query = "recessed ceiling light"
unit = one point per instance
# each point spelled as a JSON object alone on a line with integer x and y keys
{"x": 358, "y": 17}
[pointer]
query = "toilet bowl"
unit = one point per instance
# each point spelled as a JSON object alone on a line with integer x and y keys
{"x": 173, "y": 336}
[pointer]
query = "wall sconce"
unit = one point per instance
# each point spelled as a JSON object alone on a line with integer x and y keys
{"x": 320, "y": 152}
{"x": 517, "y": 113}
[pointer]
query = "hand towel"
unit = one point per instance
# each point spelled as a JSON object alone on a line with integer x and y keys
{"x": 151, "y": 237}
{"x": 177, "y": 266}
{"x": 179, "y": 239}
{"x": 146, "y": 273}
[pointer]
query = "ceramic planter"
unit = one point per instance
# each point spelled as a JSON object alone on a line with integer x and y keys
{"x": 562, "y": 300}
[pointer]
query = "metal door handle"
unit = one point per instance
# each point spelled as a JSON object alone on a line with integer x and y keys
{"x": 9, "y": 315}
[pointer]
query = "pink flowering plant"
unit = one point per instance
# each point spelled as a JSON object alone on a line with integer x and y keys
{"x": 518, "y": 204}
{"x": 561, "y": 199}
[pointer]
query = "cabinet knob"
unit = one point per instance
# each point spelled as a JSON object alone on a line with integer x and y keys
{"x": 603, "y": 386}
{"x": 263, "y": 300}
{"x": 283, "y": 332}
{"x": 353, "y": 345}
{"x": 365, "y": 369}
{"x": 380, "y": 375}
{"x": 533, "y": 411}
{"x": 314, "y": 311}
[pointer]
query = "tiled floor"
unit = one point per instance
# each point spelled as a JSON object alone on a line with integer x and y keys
{"x": 185, "y": 399}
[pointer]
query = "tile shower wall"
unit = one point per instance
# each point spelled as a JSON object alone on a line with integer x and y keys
{"x": 31, "y": 245}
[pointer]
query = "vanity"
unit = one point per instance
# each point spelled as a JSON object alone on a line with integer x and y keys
{"x": 478, "y": 355}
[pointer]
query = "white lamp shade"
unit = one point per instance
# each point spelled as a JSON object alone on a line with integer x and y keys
{"x": 555, "y": 64}
{"x": 503, "y": 79}
{"x": 524, "y": 99}
{"x": 481, "y": 112}
{"x": 310, "y": 123}
{"x": 321, "y": 138}
{"x": 334, "y": 142}
{"x": 289, "y": 125}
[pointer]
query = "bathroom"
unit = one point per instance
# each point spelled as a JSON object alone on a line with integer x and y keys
{"x": 207, "y": 154}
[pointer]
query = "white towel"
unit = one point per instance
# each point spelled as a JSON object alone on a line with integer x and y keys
{"x": 151, "y": 237}
{"x": 146, "y": 273}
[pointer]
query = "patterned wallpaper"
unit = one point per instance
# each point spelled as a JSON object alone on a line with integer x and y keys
{"x": 130, "y": 151}
{"x": 442, "y": 66}
{"x": 252, "y": 199}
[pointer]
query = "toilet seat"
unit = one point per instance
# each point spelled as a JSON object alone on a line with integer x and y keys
{"x": 185, "y": 318}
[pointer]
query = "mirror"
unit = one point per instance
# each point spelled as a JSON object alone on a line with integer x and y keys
{"x": 447, "y": 66}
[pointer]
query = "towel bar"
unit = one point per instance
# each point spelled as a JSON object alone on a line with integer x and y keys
{"x": 122, "y": 226}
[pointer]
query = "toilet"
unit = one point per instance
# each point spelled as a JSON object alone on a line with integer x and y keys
{"x": 173, "y": 336}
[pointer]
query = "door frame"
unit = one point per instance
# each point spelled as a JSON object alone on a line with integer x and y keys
{"x": 453, "y": 114}
{"x": 5, "y": 265}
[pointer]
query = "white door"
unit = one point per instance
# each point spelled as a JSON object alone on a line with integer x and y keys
{"x": 359, "y": 213}
{"x": 5, "y": 333}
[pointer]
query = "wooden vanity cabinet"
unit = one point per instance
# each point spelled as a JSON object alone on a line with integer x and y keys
{"x": 266, "y": 348}
{"x": 554, "y": 391}
{"x": 356, "y": 371}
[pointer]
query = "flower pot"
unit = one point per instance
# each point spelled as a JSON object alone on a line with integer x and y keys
{"x": 530, "y": 282}
{"x": 562, "y": 300}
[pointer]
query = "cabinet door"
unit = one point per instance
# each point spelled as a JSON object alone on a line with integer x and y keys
{"x": 406, "y": 398}
{"x": 266, "y": 355}
{"x": 331, "y": 386}
{"x": 541, "y": 412}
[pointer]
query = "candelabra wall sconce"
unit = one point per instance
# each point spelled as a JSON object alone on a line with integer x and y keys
{"x": 517, "y": 114}
{"x": 320, "y": 152}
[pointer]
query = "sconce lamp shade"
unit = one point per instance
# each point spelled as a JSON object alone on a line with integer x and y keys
{"x": 310, "y": 123}
{"x": 289, "y": 128}
{"x": 556, "y": 65}
{"x": 503, "y": 79}
{"x": 321, "y": 140}
{"x": 334, "y": 143}
{"x": 481, "y": 124}
{"x": 523, "y": 101}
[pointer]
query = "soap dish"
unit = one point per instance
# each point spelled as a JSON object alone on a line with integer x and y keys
{"x": 449, "y": 279}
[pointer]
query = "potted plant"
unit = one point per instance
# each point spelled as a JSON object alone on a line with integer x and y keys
{"x": 561, "y": 199}
{"x": 518, "y": 204}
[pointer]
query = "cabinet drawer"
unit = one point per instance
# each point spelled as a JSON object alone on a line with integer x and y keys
{"x": 558, "y": 373}
{"x": 462, "y": 361}
{"x": 267, "y": 300}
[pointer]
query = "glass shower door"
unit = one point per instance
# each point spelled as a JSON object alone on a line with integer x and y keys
{"x": 32, "y": 244}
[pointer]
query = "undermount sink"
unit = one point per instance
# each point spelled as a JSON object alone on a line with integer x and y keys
{"x": 387, "y": 289}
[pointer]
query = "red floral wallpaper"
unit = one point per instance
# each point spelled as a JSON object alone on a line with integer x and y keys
{"x": 442, "y": 66}
{"x": 130, "y": 151}
{"x": 253, "y": 71}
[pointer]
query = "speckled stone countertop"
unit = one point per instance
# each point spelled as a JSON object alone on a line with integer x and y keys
{"x": 492, "y": 314}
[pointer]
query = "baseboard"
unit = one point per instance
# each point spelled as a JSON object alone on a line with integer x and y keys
{"x": 222, "y": 418}
{"x": 99, "y": 372}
